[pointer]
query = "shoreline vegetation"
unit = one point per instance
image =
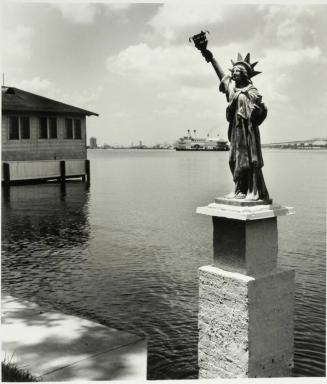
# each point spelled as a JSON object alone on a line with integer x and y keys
{"x": 11, "y": 373}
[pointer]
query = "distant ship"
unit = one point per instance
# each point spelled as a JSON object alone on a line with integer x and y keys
{"x": 189, "y": 143}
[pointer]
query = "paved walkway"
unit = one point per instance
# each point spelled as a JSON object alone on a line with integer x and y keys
{"x": 59, "y": 347}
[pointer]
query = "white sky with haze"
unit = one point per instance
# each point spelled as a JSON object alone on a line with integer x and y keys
{"x": 133, "y": 64}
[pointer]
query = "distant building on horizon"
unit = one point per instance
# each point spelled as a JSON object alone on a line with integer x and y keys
{"x": 93, "y": 143}
{"x": 38, "y": 134}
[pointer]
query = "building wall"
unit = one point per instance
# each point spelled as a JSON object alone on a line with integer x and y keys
{"x": 44, "y": 169}
{"x": 42, "y": 149}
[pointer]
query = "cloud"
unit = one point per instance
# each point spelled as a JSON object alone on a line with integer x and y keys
{"x": 275, "y": 88}
{"x": 290, "y": 27}
{"x": 83, "y": 98}
{"x": 79, "y": 13}
{"x": 182, "y": 64}
{"x": 119, "y": 11}
{"x": 194, "y": 94}
{"x": 39, "y": 86}
{"x": 173, "y": 17}
{"x": 16, "y": 43}
{"x": 85, "y": 13}
{"x": 118, "y": 6}
{"x": 279, "y": 58}
{"x": 144, "y": 63}
{"x": 167, "y": 111}
{"x": 283, "y": 71}
{"x": 206, "y": 106}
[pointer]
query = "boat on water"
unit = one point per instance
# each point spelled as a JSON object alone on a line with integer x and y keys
{"x": 190, "y": 143}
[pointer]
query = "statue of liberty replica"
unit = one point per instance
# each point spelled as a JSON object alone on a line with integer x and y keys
{"x": 245, "y": 112}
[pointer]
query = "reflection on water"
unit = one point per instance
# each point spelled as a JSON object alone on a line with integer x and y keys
{"x": 45, "y": 229}
{"x": 126, "y": 253}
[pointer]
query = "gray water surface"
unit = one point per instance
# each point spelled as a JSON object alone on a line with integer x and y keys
{"x": 126, "y": 252}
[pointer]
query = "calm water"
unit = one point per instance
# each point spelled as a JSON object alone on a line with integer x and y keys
{"x": 126, "y": 252}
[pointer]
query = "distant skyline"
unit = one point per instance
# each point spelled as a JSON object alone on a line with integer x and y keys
{"x": 133, "y": 64}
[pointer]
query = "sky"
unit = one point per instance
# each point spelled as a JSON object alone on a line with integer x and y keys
{"x": 134, "y": 65}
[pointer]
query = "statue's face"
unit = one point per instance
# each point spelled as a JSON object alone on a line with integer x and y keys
{"x": 239, "y": 74}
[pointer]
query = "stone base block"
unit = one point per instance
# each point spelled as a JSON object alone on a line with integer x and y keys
{"x": 240, "y": 212}
{"x": 245, "y": 324}
{"x": 246, "y": 247}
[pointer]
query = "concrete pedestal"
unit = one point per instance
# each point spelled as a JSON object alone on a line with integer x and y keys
{"x": 246, "y": 303}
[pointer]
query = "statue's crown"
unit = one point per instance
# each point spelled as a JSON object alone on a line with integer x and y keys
{"x": 246, "y": 63}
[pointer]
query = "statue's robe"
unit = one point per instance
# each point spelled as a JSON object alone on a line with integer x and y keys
{"x": 246, "y": 162}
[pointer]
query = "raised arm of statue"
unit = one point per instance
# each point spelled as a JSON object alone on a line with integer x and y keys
{"x": 200, "y": 42}
{"x": 210, "y": 59}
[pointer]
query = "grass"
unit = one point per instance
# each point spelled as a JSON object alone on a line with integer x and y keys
{"x": 10, "y": 372}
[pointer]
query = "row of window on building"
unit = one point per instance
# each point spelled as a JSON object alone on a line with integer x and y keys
{"x": 19, "y": 128}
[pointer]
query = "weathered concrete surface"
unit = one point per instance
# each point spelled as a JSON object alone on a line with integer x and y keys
{"x": 245, "y": 324}
{"x": 223, "y": 324}
{"x": 271, "y": 324}
{"x": 59, "y": 347}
